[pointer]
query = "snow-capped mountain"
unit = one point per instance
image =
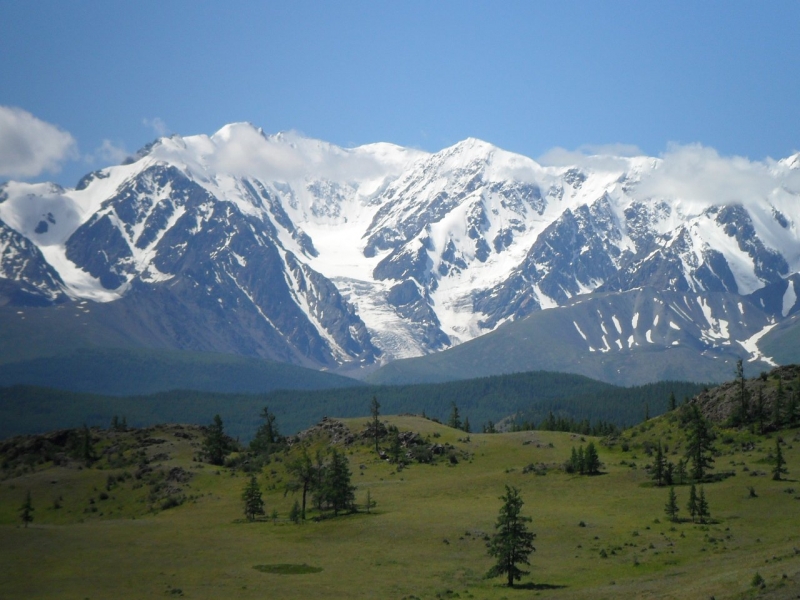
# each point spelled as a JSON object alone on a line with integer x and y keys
{"x": 291, "y": 248}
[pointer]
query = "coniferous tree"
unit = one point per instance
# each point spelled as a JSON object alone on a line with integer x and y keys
{"x": 581, "y": 461}
{"x": 374, "y": 411}
{"x": 692, "y": 505}
{"x": 489, "y": 427}
{"x": 339, "y": 493}
{"x": 26, "y": 510}
{"x": 777, "y": 408}
{"x": 680, "y": 472}
{"x": 702, "y": 506}
{"x": 743, "y": 396}
{"x": 592, "y": 460}
{"x": 267, "y": 436}
{"x": 455, "y": 418}
{"x": 673, "y": 403}
{"x": 791, "y": 409}
{"x": 761, "y": 411}
{"x": 512, "y": 544}
{"x": 215, "y": 444}
{"x": 253, "y": 502}
{"x": 467, "y": 428}
{"x": 669, "y": 473}
{"x": 699, "y": 444}
{"x": 671, "y": 507}
{"x": 780, "y": 463}
{"x": 659, "y": 466}
{"x": 304, "y": 475}
{"x": 572, "y": 463}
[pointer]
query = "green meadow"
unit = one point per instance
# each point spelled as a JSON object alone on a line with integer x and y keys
{"x": 176, "y": 527}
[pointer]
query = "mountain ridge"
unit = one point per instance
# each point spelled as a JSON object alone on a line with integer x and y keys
{"x": 297, "y": 250}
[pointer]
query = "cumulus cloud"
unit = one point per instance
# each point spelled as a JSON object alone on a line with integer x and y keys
{"x": 157, "y": 125}
{"x": 29, "y": 146}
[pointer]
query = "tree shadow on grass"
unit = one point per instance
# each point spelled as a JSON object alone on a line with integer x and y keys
{"x": 536, "y": 586}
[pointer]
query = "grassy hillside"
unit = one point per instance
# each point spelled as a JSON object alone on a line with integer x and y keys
{"x": 597, "y": 537}
{"x": 129, "y": 371}
{"x": 26, "y": 409}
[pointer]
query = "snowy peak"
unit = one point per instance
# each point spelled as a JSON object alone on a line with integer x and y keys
{"x": 333, "y": 255}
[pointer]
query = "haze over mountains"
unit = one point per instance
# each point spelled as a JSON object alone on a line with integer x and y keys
{"x": 628, "y": 269}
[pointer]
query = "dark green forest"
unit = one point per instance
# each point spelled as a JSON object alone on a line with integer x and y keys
{"x": 530, "y": 397}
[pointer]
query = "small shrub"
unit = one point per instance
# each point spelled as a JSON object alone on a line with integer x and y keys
{"x": 757, "y": 581}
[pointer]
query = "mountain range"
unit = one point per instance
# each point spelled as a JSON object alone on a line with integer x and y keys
{"x": 466, "y": 262}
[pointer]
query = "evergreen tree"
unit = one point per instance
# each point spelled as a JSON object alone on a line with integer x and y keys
{"x": 761, "y": 411}
{"x": 253, "y": 503}
{"x": 581, "y": 461}
{"x": 743, "y": 396}
{"x": 370, "y": 502}
{"x": 702, "y": 506}
{"x": 489, "y": 427}
{"x": 780, "y": 463}
{"x": 671, "y": 507}
{"x": 267, "y": 436}
{"x": 699, "y": 444}
{"x": 680, "y": 472}
{"x": 592, "y": 460}
{"x": 572, "y": 463}
{"x": 302, "y": 470}
{"x": 669, "y": 473}
{"x": 26, "y": 510}
{"x": 375, "y": 411}
{"x": 512, "y": 543}
{"x": 673, "y": 404}
{"x": 467, "y": 428}
{"x": 791, "y": 409}
{"x": 692, "y": 505}
{"x": 339, "y": 493}
{"x": 215, "y": 444}
{"x": 659, "y": 466}
{"x": 455, "y": 418}
{"x": 777, "y": 408}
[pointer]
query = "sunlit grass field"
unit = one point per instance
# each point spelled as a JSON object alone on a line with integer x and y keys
{"x": 604, "y": 536}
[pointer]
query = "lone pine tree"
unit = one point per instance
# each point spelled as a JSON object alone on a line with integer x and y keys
{"x": 780, "y": 462}
{"x": 512, "y": 544}
{"x": 253, "y": 502}
{"x": 374, "y": 411}
{"x": 699, "y": 444}
{"x": 215, "y": 443}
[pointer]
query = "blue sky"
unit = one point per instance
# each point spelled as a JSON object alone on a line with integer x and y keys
{"x": 526, "y": 76}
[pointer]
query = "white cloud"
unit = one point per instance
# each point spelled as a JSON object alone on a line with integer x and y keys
{"x": 157, "y": 125}
{"x": 108, "y": 153}
{"x": 602, "y": 157}
{"x": 29, "y": 146}
{"x": 698, "y": 174}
